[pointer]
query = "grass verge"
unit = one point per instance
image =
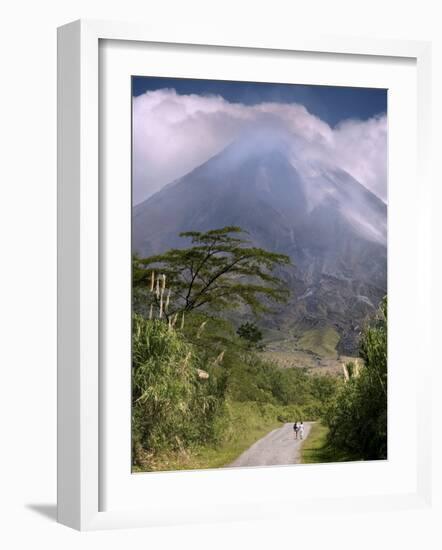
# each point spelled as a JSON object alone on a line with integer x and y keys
{"x": 248, "y": 422}
{"x": 316, "y": 448}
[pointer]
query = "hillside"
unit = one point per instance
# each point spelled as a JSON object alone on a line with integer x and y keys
{"x": 333, "y": 229}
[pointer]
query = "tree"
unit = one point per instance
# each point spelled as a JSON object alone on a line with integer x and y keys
{"x": 251, "y": 333}
{"x": 220, "y": 271}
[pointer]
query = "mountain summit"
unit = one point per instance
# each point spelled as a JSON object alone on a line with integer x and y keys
{"x": 332, "y": 227}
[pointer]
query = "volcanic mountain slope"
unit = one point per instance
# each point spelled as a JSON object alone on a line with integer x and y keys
{"x": 332, "y": 227}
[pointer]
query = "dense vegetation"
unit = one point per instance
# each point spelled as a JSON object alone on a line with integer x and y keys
{"x": 219, "y": 271}
{"x": 357, "y": 418}
{"x": 173, "y": 407}
{"x": 186, "y": 393}
{"x": 202, "y": 389}
{"x": 195, "y": 374}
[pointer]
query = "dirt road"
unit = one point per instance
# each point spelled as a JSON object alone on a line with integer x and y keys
{"x": 278, "y": 447}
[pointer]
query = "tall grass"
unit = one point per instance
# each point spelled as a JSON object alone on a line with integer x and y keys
{"x": 172, "y": 406}
{"x": 357, "y": 418}
{"x": 193, "y": 387}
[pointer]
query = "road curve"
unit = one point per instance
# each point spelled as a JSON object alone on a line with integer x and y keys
{"x": 278, "y": 447}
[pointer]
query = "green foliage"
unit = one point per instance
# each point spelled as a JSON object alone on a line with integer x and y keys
{"x": 195, "y": 377}
{"x": 252, "y": 378}
{"x": 357, "y": 419}
{"x": 220, "y": 271}
{"x": 373, "y": 350}
{"x": 210, "y": 334}
{"x": 316, "y": 449}
{"x": 249, "y": 417}
{"x": 245, "y": 423}
{"x": 312, "y": 451}
{"x": 251, "y": 333}
{"x": 175, "y": 411}
{"x": 172, "y": 406}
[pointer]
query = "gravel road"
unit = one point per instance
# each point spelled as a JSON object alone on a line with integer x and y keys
{"x": 277, "y": 447}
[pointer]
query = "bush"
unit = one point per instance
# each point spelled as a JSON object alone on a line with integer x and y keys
{"x": 357, "y": 419}
{"x": 172, "y": 407}
{"x": 252, "y": 378}
{"x": 175, "y": 411}
{"x": 251, "y": 334}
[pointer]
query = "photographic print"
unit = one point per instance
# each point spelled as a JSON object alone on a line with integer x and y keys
{"x": 259, "y": 274}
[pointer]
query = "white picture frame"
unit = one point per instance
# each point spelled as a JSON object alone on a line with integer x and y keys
{"x": 79, "y": 267}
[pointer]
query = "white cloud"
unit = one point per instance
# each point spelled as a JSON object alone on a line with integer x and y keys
{"x": 175, "y": 133}
{"x": 361, "y": 149}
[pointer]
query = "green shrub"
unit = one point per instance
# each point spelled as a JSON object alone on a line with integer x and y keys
{"x": 174, "y": 411}
{"x": 172, "y": 407}
{"x": 252, "y": 378}
{"x": 357, "y": 418}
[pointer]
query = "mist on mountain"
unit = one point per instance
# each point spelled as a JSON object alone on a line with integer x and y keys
{"x": 267, "y": 182}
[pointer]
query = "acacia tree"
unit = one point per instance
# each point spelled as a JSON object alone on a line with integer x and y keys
{"x": 219, "y": 271}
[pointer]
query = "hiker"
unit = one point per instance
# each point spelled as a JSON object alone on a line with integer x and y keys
{"x": 301, "y": 429}
{"x": 296, "y": 428}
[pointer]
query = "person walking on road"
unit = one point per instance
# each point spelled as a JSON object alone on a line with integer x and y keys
{"x": 296, "y": 429}
{"x": 301, "y": 430}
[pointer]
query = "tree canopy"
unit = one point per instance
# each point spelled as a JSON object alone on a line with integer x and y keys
{"x": 221, "y": 270}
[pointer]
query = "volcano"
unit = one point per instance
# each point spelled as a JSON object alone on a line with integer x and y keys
{"x": 331, "y": 226}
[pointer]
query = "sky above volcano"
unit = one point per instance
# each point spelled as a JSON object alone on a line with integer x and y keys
{"x": 180, "y": 123}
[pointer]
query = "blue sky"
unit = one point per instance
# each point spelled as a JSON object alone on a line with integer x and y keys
{"x": 180, "y": 123}
{"x": 330, "y": 103}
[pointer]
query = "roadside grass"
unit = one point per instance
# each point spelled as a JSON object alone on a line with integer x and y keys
{"x": 322, "y": 341}
{"x": 249, "y": 422}
{"x": 316, "y": 449}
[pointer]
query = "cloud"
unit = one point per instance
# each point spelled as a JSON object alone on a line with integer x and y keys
{"x": 172, "y": 134}
{"x": 361, "y": 149}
